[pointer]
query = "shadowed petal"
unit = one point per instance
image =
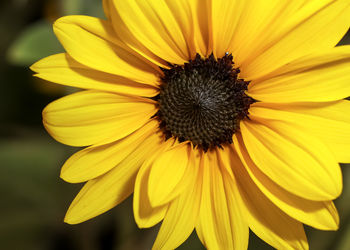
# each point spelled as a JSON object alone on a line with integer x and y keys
{"x": 315, "y": 26}
{"x": 328, "y": 121}
{"x": 321, "y": 77}
{"x": 93, "y": 117}
{"x": 92, "y": 42}
{"x": 265, "y": 219}
{"x": 319, "y": 214}
{"x": 296, "y": 161}
{"x": 92, "y": 162}
{"x": 105, "y": 192}
{"x": 63, "y": 69}
{"x": 182, "y": 213}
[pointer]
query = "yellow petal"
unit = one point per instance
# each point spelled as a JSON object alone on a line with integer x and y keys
{"x": 126, "y": 36}
{"x": 240, "y": 229}
{"x": 170, "y": 175}
{"x": 317, "y": 78}
{"x": 105, "y": 192}
{"x": 202, "y": 21}
{"x": 182, "y": 11}
{"x": 317, "y": 25}
{"x": 182, "y": 215}
{"x": 224, "y": 159}
{"x": 63, "y": 69}
{"x": 254, "y": 23}
{"x": 92, "y": 117}
{"x": 146, "y": 215}
{"x": 265, "y": 219}
{"x": 153, "y": 23}
{"x": 92, "y": 42}
{"x": 328, "y": 121}
{"x": 218, "y": 225}
{"x": 225, "y": 17}
{"x": 295, "y": 160}
{"x": 319, "y": 214}
{"x": 205, "y": 228}
{"x": 92, "y": 162}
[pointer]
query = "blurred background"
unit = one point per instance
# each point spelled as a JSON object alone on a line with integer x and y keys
{"x": 33, "y": 199}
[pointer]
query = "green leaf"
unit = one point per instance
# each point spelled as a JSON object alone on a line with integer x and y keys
{"x": 34, "y": 43}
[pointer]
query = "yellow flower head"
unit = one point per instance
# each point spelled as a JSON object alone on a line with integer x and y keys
{"x": 217, "y": 115}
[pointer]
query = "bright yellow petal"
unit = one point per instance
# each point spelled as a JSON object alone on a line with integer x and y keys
{"x": 92, "y": 117}
{"x": 170, "y": 175}
{"x": 225, "y": 17}
{"x": 253, "y": 25}
{"x": 317, "y": 25}
{"x": 105, "y": 192}
{"x": 319, "y": 214}
{"x": 295, "y": 160}
{"x": 146, "y": 215}
{"x": 224, "y": 159}
{"x": 318, "y": 78}
{"x": 203, "y": 35}
{"x": 153, "y": 23}
{"x": 129, "y": 40}
{"x": 205, "y": 228}
{"x": 265, "y": 219}
{"x": 218, "y": 225}
{"x": 92, "y": 42}
{"x": 63, "y": 69}
{"x": 240, "y": 229}
{"x": 92, "y": 162}
{"x": 328, "y": 121}
{"x": 182, "y": 214}
{"x": 182, "y": 11}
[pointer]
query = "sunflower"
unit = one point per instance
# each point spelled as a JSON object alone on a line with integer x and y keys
{"x": 219, "y": 116}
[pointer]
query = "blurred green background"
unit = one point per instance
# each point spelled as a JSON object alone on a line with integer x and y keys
{"x": 33, "y": 198}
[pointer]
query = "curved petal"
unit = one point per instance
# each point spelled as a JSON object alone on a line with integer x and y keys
{"x": 205, "y": 227}
{"x": 219, "y": 227}
{"x": 240, "y": 229}
{"x": 63, "y": 69}
{"x": 253, "y": 25}
{"x": 129, "y": 40}
{"x": 328, "y": 121}
{"x": 296, "y": 161}
{"x": 224, "y": 159}
{"x": 320, "y": 77}
{"x": 202, "y": 21}
{"x": 183, "y": 13}
{"x": 319, "y": 214}
{"x": 92, "y": 117}
{"x": 265, "y": 219}
{"x": 182, "y": 214}
{"x": 225, "y": 17}
{"x": 105, "y": 192}
{"x": 92, "y": 162}
{"x": 92, "y": 42}
{"x": 146, "y": 215}
{"x": 314, "y": 26}
{"x": 170, "y": 174}
{"x": 154, "y": 24}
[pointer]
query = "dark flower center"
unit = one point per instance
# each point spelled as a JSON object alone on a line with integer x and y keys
{"x": 202, "y": 101}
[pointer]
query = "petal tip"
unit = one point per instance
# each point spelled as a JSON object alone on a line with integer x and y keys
{"x": 71, "y": 176}
{"x": 67, "y": 177}
{"x": 34, "y": 68}
{"x": 70, "y": 219}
